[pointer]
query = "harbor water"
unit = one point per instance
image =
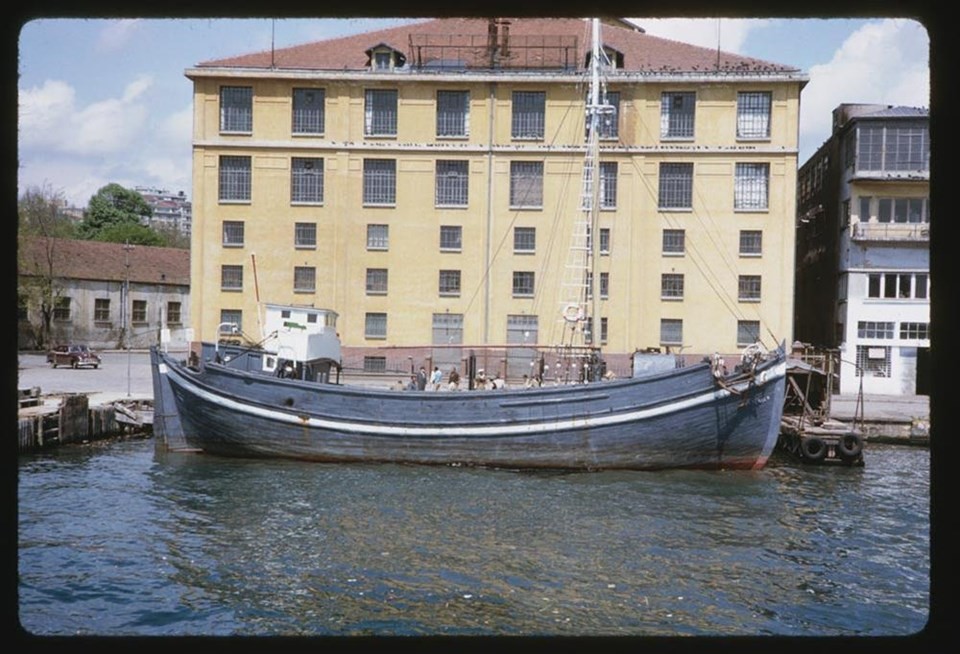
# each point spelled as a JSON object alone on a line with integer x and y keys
{"x": 116, "y": 539}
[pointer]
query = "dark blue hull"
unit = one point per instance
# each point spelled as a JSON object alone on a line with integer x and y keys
{"x": 680, "y": 419}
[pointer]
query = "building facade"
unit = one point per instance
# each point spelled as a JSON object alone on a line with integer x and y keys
{"x": 863, "y": 248}
{"x": 172, "y": 211}
{"x": 107, "y": 295}
{"x": 423, "y": 180}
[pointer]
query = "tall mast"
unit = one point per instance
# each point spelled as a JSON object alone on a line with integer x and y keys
{"x": 594, "y": 109}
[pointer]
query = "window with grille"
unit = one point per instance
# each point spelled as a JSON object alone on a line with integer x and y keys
{"x": 451, "y": 183}
{"x": 306, "y": 180}
{"x": 604, "y": 240}
{"x": 677, "y": 114}
{"x": 380, "y": 112}
{"x": 377, "y": 281}
{"x": 522, "y": 330}
{"x": 748, "y": 288}
{"x": 872, "y": 329}
{"x": 453, "y": 113}
{"x": 61, "y": 309}
{"x": 231, "y": 278}
{"x": 604, "y": 285}
{"x": 374, "y": 364}
{"x": 139, "y": 313}
{"x": 305, "y": 235}
{"x": 449, "y": 282}
{"x": 232, "y": 233}
{"x": 378, "y": 237}
{"x": 375, "y": 325}
{"x": 751, "y": 242}
{"x": 609, "y": 124}
{"x": 527, "y": 119}
{"x": 753, "y": 114}
{"x": 308, "y": 111}
{"x": 101, "y": 310}
{"x": 915, "y": 330}
{"x": 236, "y": 109}
{"x": 608, "y": 185}
{"x": 676, "y": 186}
{"x": 174, "y": 316}
{"x": 379, "y": 181}
{"x": 451, "y": 238}
{"x": 873, "y": 361}
{"x": 673, "y": 241}
{"x": 748, "y": 332}
{"x": 234, "y": 178}
{"x": 526, "y": 184}
{"x": 750, "y": 186}
{"x": 524, "y": 239}
{"x": 671, "y": 286}
{"x": 901, "y": 147}
{"x": 523, "y": 283}
{"x": 304, "y": 279}
{"x": 903, "y": 286}
{"x": 671, "y": 331}
{"x": 231, "y": 317}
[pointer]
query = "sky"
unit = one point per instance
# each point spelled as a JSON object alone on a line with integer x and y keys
{"x": 105, "y": 101}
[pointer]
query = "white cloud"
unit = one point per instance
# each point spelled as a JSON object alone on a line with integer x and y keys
{"x": 704, "y": 32}
{"x": 118, "y": 33}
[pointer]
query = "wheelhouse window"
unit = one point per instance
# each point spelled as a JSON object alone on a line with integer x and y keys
{"x": 236, "y": 109}
{"x": 753, "y": 114}
{"x": 375, "y": 325}
{"x": 306, "y": 180}
{"x": 234, "y": 178}
{"x": 231, "y": 278}
{"x": 380, "y": 112}
{"x": 377, "y": 279}
{"x": 305, "y": 235}
{"x": 528, "y": 117}
{"x": 308, "y": 111}
{"x": 232, "y": 233}
{"x": 677, "y": 110}
{"x": 524, "y": 240}
{"x": 451, "y": 183}
{"x": 378, "y": 237}
{"x": 751, "y": 186}
{"x": 379, "y": 181}
{"x": 451, "y": 238}
{"x": 673, "y": 241}
{"x": 304, "y": 279}
{"x": 449, "y": 282}
{"x": 526, "y": 184}
{"x": 676, "y": 186}
{"x": 523, "y": 283}
{"x": 453, "y": 114}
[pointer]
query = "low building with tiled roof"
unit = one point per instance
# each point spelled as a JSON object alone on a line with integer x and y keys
{"x": 108, "y": 295}
{"x": 422, "y": 180}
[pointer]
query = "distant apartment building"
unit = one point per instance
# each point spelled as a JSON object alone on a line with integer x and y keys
{"x": 863, "y": 248}
{"x": 172, "y": 211}
{"x": 423, "y": 180}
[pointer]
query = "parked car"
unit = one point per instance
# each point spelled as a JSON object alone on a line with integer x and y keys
{"x": 75, "y": 356}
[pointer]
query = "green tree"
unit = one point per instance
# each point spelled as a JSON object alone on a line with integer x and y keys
{"x": 134, "y": 233}
{"x": 111, "y": 206}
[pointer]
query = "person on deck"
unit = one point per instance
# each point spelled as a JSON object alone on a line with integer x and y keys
{"x": 454, "y": 380}
{"x": 422, "y": 379}
{"x": 436, "y": 378}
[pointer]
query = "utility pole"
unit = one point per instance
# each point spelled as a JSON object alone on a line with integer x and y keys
{"x": 126, "y": 311}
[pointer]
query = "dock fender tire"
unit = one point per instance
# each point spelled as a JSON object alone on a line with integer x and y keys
{"x": 813, "y": 449}
{"x": 850, "y": 446}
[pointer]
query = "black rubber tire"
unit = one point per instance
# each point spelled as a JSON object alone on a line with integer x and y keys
{"x": 850, "y": 447}
{"x": 813, "y": 449}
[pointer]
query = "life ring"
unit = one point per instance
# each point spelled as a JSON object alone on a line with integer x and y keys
{"x": 850, "y": 446}
{"x": 813, "y": 449}
{"x": 573, "y": 313}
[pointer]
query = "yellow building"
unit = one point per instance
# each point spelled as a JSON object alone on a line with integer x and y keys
{"x": 423, "y": 181}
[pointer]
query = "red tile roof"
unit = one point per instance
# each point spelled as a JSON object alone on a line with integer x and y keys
{"x": 641, "y": 52}
{"x": 96, "y": 260}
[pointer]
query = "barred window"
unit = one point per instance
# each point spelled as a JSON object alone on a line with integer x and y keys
{"x": 380, "y": 112}
{"x": 236, "y": 109}
{"x": 232, "y": 317}
{"x": 609, "y": 124}
{"x": 101, "y": 310}
{"x": 379, "y": 181}
{"x": 873, "y": 361}
{"x": 232, "y": 233}
{"x": 608, "y": 185}
{"x": 61, "y": 309}
{"x": 526, "y": 184}
{"x": 174, "y": 313}
{"x": 671, "y": 331}
{"x": 524, "y": 239}
{"x": 748, "y": 288}
{"x": 676, "y": 186}
{"x": 305, "y": 235}
{"x": 453, "y": 113}
{"x": 375, "y": 325}
{"x": 304, "y": 279}
{"x": 673, "y": 241}
{"x": 374, "y": 364}
{"x": 139, "y": 313}
{"x": 449, "y": 282}
{"x": 234, "y": 179}
{"x": 751, "y": 242}
{"x": 529, "y": 109}
{"x": 677, "y": 114}
{"x": 308, "y": 111}
{"x": 604, "y": 240}
{"x": 915, "y": 330}
{"x": 871, "y": 329}
{"x": 377, "y": 279}
{"x": 231, "y": 278}
{"x": 671, "y": 286}
{"x": 750, "y": 186}
{"x": 748, "y": 332}
{"x": 451, "y": 183}
{"x": 378, "y": 237}
{"x": 451, "y": 237}
{"x": 753, "y": 114}
{"x": 523, "y": 283}
{"x": 306, "y": 180}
